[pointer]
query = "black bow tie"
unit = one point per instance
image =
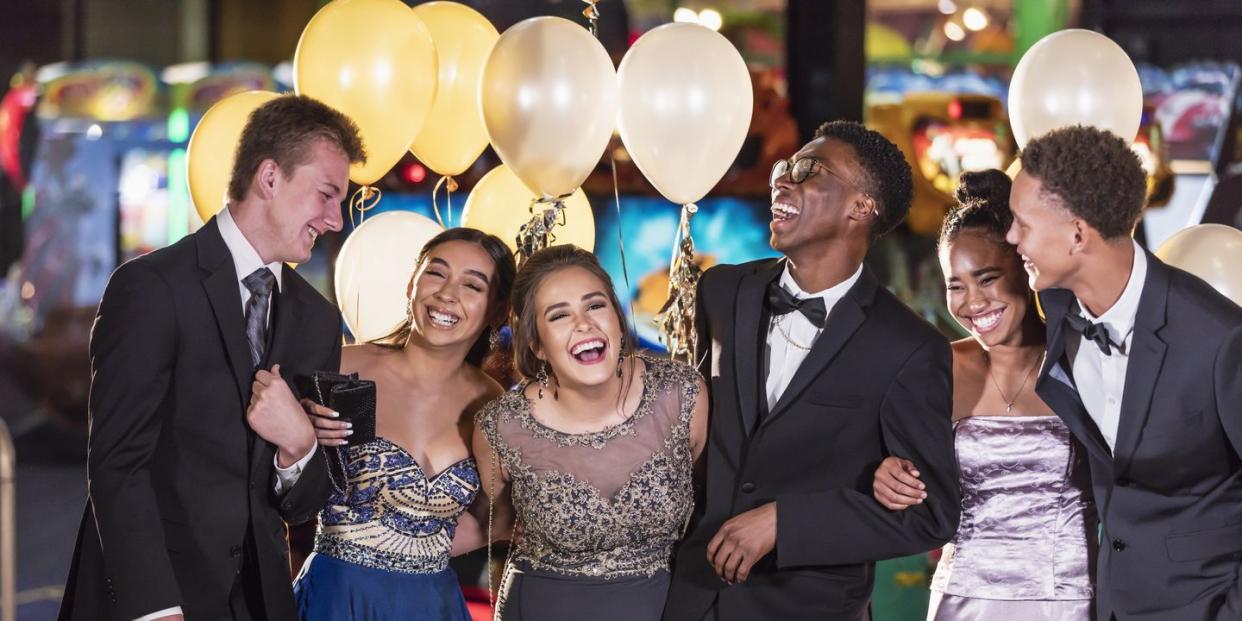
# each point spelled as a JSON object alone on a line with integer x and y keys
{"x": 782, "y": 302}
{"x": 1094, "y": 332}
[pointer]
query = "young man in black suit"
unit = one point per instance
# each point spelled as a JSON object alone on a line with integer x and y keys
{"x": 817, "y": 373}
{"x": 1144, "y": 364}
{"x": 188, "y": 478}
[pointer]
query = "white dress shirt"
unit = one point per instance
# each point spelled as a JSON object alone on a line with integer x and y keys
{"x": 784, "y": 356}
{"x": 246, "y": 260}
{"x": 1100, "y": 378}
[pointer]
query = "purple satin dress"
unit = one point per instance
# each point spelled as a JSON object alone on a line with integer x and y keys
{"x": 1025, "y": 548}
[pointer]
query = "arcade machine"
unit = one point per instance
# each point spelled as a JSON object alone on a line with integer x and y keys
{"x": 943, "y": 135}
{"x": 107, "y": 184}
{"x": 1194, "y": 107}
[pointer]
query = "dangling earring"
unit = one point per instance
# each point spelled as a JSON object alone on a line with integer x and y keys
{"x": 621, "y": 358}
{"x": 493, "y": 339}
{"x": 542, "y": 378}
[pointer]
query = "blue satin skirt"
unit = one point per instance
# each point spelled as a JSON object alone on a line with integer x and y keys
{"x": 330, "y": 589}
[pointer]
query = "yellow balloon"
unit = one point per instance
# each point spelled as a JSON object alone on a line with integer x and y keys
{"x": 209, "y": 156}
{"x": 500, "y": 204}
{"x": 453, "y": 135}
{"x": 374, "y": 61}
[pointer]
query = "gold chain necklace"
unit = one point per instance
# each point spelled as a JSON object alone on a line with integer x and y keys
{"x": 788, "y": 339}
{"x": 1009, "y": 402}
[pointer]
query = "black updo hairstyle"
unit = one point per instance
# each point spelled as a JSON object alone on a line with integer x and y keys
{"x": 983, "y": 204}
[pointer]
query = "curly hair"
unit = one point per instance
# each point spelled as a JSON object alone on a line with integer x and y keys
{"x": 888, "y": 173}
{"x": 283, "y": 130}
{"x": 1094, "y": 173}
{"x": 983, "y": 203}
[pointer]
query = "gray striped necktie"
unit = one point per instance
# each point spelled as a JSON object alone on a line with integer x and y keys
{"x": 260, "y": 283}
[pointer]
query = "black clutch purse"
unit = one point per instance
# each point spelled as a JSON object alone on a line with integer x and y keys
{"x": 354, "y": 400}
{"x": 349, "y": 396}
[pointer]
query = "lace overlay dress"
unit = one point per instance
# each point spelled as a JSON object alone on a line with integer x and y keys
{"x": 383, "y": 544}
{"x": 600, "y": 512}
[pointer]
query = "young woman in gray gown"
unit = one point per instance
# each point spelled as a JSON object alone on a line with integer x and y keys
{"x": 595, "y": 450}
{"x": 1026, "y": 543}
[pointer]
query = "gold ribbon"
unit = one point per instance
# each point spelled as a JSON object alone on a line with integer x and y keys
{"x": 676, "y": 319}
{"x": 450, "y": 186}
{"x": 364, "y": 199}
{"x": 592, "y": 15}
{"x": 535, "y": 235}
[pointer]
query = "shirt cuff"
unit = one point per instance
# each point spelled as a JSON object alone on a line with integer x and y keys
{"x": 286, "y": 478}
{"x": 175, "y": 610}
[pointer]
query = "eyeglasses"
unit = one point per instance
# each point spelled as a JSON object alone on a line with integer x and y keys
{"x": 803, "y": 168}
{"x": 799, "y": 170}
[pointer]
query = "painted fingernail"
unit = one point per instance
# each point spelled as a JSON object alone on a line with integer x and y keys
{"x": 349, "y": 432}
{"x": 349, "y": 425}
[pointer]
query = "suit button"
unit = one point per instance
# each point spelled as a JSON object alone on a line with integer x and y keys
{"x": 748, "y": 488}
{"x": 252, "y": 485}
{"x": 1123, "y": 482}
{"x": 1119, "y": 545}
{"x": 235, "y": 551}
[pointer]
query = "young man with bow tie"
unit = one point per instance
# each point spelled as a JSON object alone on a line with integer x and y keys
{"x": 817, "y": 373}
{"x": 1144, "y": 364}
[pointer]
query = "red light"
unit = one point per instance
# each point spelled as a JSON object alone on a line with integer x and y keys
{"x": 414, "y": 173}
{"x": 955, "y": 110}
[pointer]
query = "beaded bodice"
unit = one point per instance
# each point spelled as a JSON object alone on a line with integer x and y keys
{"x": 610, "y": 503}
{"x": 392, "y": 515}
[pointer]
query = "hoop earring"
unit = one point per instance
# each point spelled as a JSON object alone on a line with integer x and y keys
{"x": 542, "y": 378}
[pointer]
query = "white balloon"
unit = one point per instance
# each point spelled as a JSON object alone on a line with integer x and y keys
{"x": 374, "y": 268}
{"x": 1075, "y": 77}
{"x": 1212, "y": 252}
{"x": 548, "y": 96}
{"x": 686, "y": 101}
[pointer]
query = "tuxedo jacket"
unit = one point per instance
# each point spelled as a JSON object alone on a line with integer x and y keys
{"x": 180, "y": 487}
{"x": 876, "y": 383}
{"x": 1170, "y": 495}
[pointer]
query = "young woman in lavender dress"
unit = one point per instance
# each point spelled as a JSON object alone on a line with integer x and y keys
{"x": 1025, "y": 546}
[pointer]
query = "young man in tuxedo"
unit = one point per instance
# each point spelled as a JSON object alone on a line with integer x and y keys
{"x": 188, "y": 479}
{"x": 817, "y": 373}
{"x": 1144, "y": 364}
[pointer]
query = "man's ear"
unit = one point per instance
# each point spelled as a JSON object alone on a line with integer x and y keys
{"x": 265, "y": 179}
{"x": 864, "y": 209}
{"x": 1082, "y": 231}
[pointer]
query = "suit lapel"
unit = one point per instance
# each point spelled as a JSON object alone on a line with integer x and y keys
{"x": 843, "y": 321}
{"x": 224, "y": 294}
{"x": 1064, "y": 399}
{"x": 748, "y": 336}
{"x": 1146, "y": 357}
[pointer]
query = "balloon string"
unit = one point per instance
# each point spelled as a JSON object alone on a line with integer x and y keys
{"x": 450, "y": 186}
{"x": 448, "y": 193}
{"x": 592, "y": 15}
{"x": 676, "y": 319}
{"x": 364, "y": 199}
{"x": 625, "y": 270}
